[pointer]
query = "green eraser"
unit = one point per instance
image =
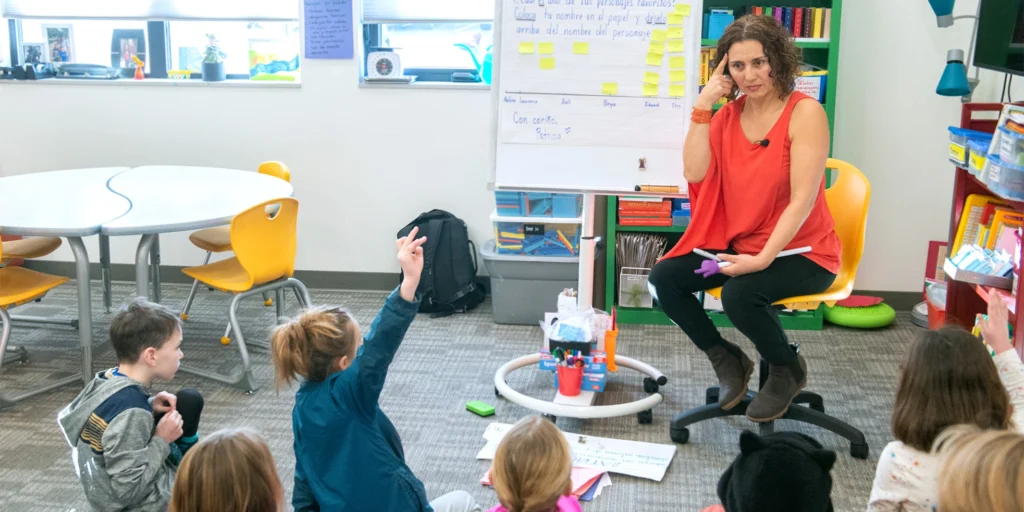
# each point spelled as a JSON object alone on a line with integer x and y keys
{"x": 480, "y": 408}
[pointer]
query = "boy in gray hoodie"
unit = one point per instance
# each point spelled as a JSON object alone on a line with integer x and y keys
{"x": 122, "y": 462}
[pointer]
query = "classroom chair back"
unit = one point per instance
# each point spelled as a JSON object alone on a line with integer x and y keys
{"x": 265, "y": 243}
{"x": 276, "y": 169}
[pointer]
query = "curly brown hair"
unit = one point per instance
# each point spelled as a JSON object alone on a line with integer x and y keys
{"x": 783, "y": 55}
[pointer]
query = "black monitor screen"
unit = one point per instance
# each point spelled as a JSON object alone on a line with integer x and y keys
{"x": 1000, "y": 43}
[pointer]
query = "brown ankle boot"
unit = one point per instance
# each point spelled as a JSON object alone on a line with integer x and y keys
{"x": 774, "y": 399}
{"x": 733, "y": 369}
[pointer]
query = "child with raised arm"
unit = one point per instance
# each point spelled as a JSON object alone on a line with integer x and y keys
{"x": 348, "y": 455}
{"x": 949, "y": 378}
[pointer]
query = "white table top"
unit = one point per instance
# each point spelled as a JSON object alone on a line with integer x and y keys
{"x": 60, "y": 203}
{"x": 168, "y": 198}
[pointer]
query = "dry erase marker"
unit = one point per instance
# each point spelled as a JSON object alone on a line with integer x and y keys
{"x": 670, "y": 189}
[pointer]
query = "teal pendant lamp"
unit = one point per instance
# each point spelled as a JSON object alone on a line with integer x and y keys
{"x": 943, "y": 12}
{"x": 954, "y": 77}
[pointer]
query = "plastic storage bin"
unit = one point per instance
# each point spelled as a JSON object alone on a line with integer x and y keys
{"x": 958, "y": 139}
{"x": 538, "y": 204}
{"x": 556, "y": 237}
{"x": 1005, "y": 179}
{"x": 977, "y": 155}
{"x": 633, "y": 290}
{"x": 523, "y": 288}
{"x": 1011, "y": 146}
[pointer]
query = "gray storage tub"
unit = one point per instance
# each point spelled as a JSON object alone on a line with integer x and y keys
{"x": 523, "y": 288}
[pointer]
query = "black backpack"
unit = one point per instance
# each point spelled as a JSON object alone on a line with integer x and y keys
{"x": 448, "y": 284}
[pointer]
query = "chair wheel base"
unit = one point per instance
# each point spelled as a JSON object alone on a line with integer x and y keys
{"x": 645, "y": 417}
{"x": 225, "y": 341}
{"x": 859, "y": 451}
{"x": 680, "y": 435}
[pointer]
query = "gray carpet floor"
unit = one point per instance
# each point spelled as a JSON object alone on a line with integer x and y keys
{"x": 442, "y": 364}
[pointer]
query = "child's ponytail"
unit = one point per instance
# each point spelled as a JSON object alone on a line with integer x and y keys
{"x": 310, "y": 345}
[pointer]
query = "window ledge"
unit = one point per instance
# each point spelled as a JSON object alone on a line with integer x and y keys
{"x": 158, "y": 82}
{"x": 473, "y": 86}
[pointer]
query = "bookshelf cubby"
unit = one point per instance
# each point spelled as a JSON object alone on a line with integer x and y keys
{"x": 822, "y": 53}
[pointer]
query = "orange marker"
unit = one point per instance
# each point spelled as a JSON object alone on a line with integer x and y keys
{"x": 670, "y": 189}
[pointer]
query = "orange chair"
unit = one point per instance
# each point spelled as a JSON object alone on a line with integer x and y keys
{"x": 264, "y": 241}
{"x": 218, "y": 239}
{"x": 19, "y": 285}
{"x": 848, "y": 199}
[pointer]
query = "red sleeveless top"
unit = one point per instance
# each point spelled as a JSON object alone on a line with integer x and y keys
{"x": 745, "y": 190}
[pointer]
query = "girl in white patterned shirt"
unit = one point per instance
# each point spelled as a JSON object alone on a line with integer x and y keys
{"x": 948, "y": 378}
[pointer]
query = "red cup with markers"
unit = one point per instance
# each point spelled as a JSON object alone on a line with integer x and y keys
{"x": 570, "y": 380}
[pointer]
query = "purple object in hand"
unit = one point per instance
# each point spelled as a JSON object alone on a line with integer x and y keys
{"x": 707, "y": 268}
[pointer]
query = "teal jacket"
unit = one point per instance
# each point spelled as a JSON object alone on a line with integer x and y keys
{"x": 348, "y": 456}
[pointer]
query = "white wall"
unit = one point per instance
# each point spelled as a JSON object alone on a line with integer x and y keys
{"x": 366, "y": 161}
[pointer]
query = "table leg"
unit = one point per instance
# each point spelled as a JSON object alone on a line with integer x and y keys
{"x": 84, "y": 305}
{"x": 142, "y": 266}
{"x": 105, "y": 271}
{"x": 154, "y": 260}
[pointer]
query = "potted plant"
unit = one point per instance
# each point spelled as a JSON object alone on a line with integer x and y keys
{"x": 213, "y": 61}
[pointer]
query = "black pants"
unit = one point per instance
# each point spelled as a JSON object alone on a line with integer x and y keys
{"x": 190, "y": 406}
{"x": 746, "y": 299}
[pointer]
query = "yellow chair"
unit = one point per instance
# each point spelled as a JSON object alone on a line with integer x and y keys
{"x": 19, "y": 285}
{"x": 29, "y": 248}
{"x": 848, "y": 199}
{"x": 218, "y": 239}
{"x": 264, "y": 241}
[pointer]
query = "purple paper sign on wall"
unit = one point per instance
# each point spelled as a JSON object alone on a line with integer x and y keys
{"x": 328, "y": 25}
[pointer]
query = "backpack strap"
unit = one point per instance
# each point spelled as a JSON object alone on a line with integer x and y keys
{"x": 433, "y": 234}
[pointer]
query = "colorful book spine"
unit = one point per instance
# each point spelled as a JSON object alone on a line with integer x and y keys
{"x": 659, "y": 222}
{"x": 826, "y": 32}
{"x": 798, "y": 21}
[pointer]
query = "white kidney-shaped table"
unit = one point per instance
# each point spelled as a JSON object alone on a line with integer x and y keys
{"x": 123, "y": 201}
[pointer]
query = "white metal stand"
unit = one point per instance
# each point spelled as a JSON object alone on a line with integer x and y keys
{"x": 582, "y": 406}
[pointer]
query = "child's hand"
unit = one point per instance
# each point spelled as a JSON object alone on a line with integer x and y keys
{"x": 994, "y": 329}
{"x": 164, "y": 402}
{"x": 410, "y": 257}
{"x": 169, "y": 429}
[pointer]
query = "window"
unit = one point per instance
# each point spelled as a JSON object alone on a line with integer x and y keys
{"x": 444, "y": 41}
{"x": 258, "y": 39}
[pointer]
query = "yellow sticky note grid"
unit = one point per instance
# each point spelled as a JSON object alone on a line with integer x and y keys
{"x": 526, "y": 48}
{"x": 581, "y": 48}
{"x": 650, "y": 77}
{"x": 656, "y": 48}
{"x": 659, "y": 35}
{"x": 650, "y": 89}
{"x": 675, "y": 45}
{"x": 675, "y": 19}
{"x": 673, "y": 33}
{"x": 677, "y": 62}
{"x": 655, "y": 59}
{"x": 677, "y": 91}
{"x": 546, "y": 48}
{"x": 677, "y": 76}
{"x": 683, "y": 9}
{"x": 610, "y": 88}
{"x": 547, "y": 63}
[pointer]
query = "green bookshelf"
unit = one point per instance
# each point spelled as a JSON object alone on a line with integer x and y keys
{"x": 817, "y": 52}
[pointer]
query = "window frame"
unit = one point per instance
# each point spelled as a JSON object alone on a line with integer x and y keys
{"x": 372, "y": 36}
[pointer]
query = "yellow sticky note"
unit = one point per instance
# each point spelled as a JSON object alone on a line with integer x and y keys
{"x": 677, "y": 91}
{"x": 677, "y": 62}
{"x": 547, "y": 63}
{"x": 650, "y": 89}
{"x": 675, "y": 45}
{"x": 610, "y": 88}
{"x": 673, "y": 33}
{"x": 650, "y": 77}
{"x": 525, "y": 48}
{"x": 675, "y": 19}
{"x": 654, "y": 59}
{"x": 677, "y": 76}
{"x": 658, "y": 35}
{"x": 683, "y": 9}
{"x": 656, "y": 48}
{"x": 581, "y": 48}
{"x": 546, "y": 48}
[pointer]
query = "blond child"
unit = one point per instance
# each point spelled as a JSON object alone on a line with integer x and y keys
{"x": 982, "y": 471}
{"x": 948, "y": 378}
{"x": 532, "y": 469}
{"x": 230, "y": 470}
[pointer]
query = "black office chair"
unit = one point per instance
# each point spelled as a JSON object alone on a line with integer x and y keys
{"x": 807, "y": 407}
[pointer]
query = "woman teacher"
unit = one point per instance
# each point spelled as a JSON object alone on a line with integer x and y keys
{"x": 756, "y": 181}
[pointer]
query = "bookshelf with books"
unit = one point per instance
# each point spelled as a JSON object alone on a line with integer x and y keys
{"x": 819, "y": 41}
